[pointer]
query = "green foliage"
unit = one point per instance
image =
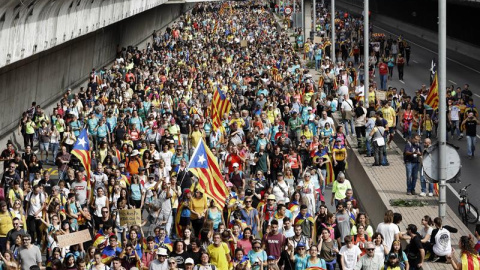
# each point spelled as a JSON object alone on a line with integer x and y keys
{"x": 311, "y": 64}
{"x": 408, "y": 203}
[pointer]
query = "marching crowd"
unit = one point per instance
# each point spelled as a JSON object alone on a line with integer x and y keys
{"x": 277, "y": 148}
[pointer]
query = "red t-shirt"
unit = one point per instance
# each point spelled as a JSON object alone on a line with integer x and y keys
{"x": 382, "y": 69}
{"x": 274, "y": 244}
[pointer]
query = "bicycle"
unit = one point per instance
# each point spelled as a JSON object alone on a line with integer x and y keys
{"x": 468, "y": 212}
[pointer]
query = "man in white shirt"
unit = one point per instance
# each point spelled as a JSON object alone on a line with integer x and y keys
{"x": 350, "y": 254}
{"x": 99, "y": 178}
{"x": 161, "y": 262}
{"x": 325, "y": 119}
{"x": 347, "y": 112}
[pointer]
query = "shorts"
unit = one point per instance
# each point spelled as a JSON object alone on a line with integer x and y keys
{"x": 44, "y": 146}
{"x": 391, "y": 130}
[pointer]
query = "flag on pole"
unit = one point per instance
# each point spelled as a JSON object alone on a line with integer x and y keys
{"x": 432, "y": 97}
{"x": 221, "y": 102}
{"x": 81, "y": 149}
{"x": 203, "y": 165}
{"x": 216, "y": 121}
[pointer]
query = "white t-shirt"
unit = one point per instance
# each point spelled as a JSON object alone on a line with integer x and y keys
{"x": 347, "y": 105}
{"x": 350, "y": 256}
{"x": 323, "y": 121}
{"x": 443, "y": 243}
{"x": 388, "y": 230}
{"x": 36, "y": 202}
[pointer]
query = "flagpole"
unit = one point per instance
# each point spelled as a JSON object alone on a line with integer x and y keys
{"x": 442, "y": 108}
{"x": 332, "y": 21}
{"x": 366, "y": 44}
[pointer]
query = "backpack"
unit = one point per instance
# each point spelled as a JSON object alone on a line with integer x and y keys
{"x": 331, "y": 228}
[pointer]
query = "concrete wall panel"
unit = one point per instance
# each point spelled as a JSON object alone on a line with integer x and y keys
{"x": 44, "y": 76}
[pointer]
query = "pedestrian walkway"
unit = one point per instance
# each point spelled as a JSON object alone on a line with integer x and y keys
{"x": 390, "y": 184}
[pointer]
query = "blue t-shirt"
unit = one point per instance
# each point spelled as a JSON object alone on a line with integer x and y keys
{"x": 254, "y": 256}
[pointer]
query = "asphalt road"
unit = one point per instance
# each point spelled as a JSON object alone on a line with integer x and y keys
{"x": 460, "y": 70}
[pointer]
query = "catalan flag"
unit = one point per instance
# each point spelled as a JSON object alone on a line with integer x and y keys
{"x": 203, "y": 164}
{"x": 329, "y": 166}
{"x": 321, "y": 82}
{"x": 432, "y": 97}
{"x": 216, "y": 121}
{"x": 221, "y": 102}
{"x": 470, "y": 261}
{"x": 81, "y": 150}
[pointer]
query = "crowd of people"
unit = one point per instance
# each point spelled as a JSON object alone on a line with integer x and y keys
{"x": 277, "y": 149}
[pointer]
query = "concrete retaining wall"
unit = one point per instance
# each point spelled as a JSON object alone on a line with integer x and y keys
{"x": 45, "y": 76}
{"x": 399, "y": 27}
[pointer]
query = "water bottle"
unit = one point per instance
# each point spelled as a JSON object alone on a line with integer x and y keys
{"x": 334, "y": 248}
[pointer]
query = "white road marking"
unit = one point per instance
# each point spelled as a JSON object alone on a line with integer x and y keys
{"x": 414, "y": 61}
{"x": 478, "y": 136}
{"x": 477, "y": 95}
{"x": 452, "y": 81}
{"x": 454, "y": 61}
{"x": 402, "y": 81}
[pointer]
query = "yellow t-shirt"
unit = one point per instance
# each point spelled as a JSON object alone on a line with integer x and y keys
{"x": 218, "y": 255}
{"x": 339, "y": 153}
{"x": 197, "y": 205}
{"x": 196, "y": 137}
{"x": 6, "y": 224}
{"x": 389, "y": 115}
{"x": 14, "y": 194}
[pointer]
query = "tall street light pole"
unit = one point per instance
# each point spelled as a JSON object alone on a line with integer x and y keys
{"x": 442, "y": 108}
{"x": 332, "y": 21}
{"x": 366, "y": 44}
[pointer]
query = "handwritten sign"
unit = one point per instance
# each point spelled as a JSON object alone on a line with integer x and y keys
{"x": 381, "y": 95}
{"x": 130, "y": 217}
{"x": 243, "y": 43}
{"x": 317, "y": 40}
{"x": 70, "y": 239}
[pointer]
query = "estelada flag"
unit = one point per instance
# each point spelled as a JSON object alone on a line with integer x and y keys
{"x": 81, "y": 150}
{"x": 432, "y": 97}
{"x": 203, "y": 165}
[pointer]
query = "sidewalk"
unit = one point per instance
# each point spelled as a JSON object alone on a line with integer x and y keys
{"x": 390, "y": 184}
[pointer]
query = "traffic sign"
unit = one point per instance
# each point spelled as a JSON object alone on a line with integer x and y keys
{"x": 288, "y": 10}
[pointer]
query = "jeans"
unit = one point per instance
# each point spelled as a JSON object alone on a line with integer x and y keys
{"x": 412, "y": 174}
{"x": 347, "y": 124}
{"x": 383, "y": 82}
{"x": 55, "y": 147}
{"x": 331, "y": 265}
{"x": 455, "y": 128}
{"x": 378, "y": 153}
{"x": 318, "y": 63}
{"x": 423, "y": 182}
{"x": 368, "y": 144}
{"x": 471, "y": 141}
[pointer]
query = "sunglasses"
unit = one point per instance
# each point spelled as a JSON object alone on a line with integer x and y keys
{"x": 256, "y": 247}
{"x": 370, "y": 249}
{"x": 248, "y": 201}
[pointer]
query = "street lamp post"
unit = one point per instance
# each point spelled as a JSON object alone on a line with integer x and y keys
{"x": 366, "y": 44}
{"x": 332, "y": 21}
{"x": 442, "y": 108}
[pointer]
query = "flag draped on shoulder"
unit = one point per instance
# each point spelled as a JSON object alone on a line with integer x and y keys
{"x": 432, "y": 97}
{"x": 81, "y": 150}
{"x": 204, "y": 165}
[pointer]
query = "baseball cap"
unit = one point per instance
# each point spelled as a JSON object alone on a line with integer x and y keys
{"x": 235, "y": 165}
{"x": 189, "y": 261}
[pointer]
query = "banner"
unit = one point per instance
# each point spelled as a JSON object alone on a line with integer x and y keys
{"x": 130, "y": 217}
{"x": 70, "y": 239}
